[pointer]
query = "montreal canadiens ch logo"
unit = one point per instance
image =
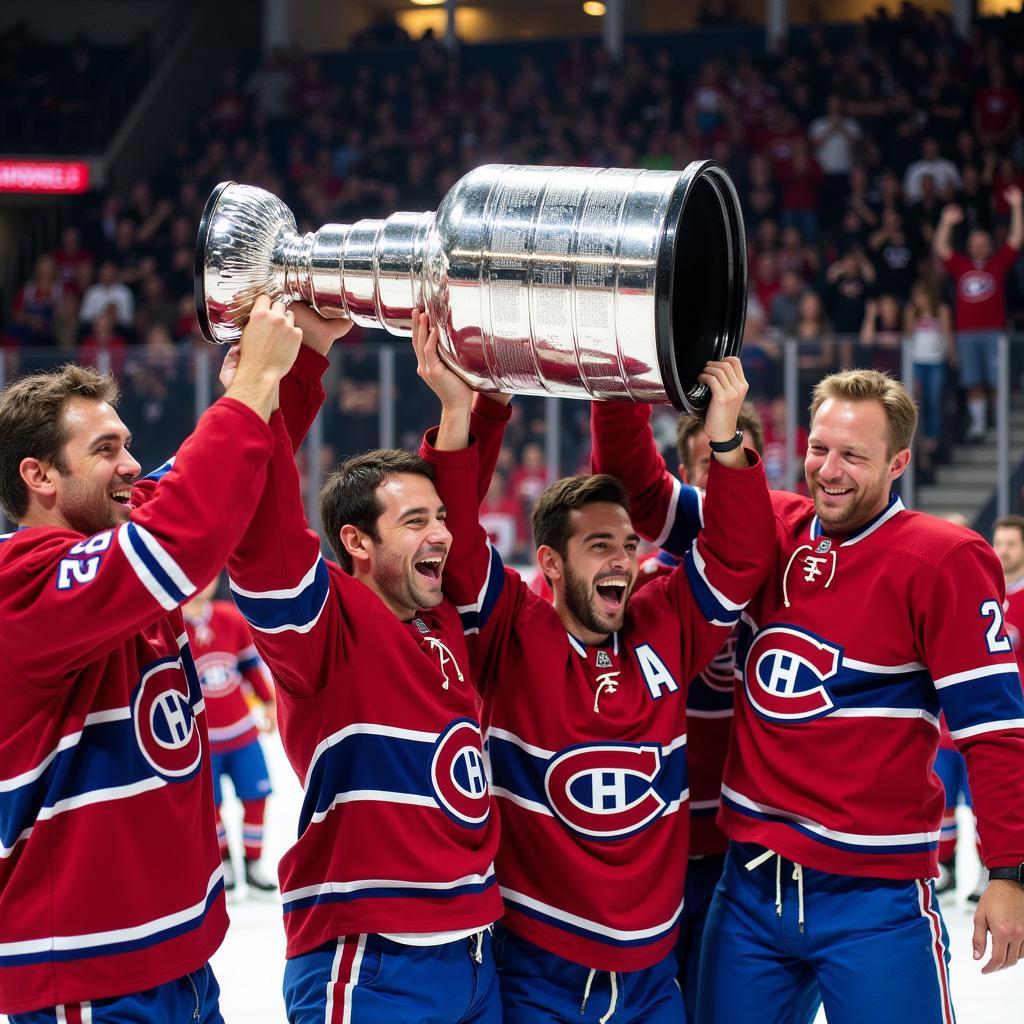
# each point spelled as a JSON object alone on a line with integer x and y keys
{"x": 458, "y": 776}
{"x": 218, "y": 674}
{"x": 605, "y": 791}
{"x": 977, "y": 285}
{"x": 786, "y": 672}
{"x": 165, "y": 725}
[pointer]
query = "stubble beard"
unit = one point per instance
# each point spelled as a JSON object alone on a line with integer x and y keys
{"x": 579, "y": 599}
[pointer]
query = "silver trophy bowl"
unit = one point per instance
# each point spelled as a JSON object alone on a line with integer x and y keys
{"x": 571, "y": 281}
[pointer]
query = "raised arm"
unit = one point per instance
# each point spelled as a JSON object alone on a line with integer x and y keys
{"x": 942, "y": 241}
{"x": 664, "y": 510}
{"x": 730, "y": 559}
{"x": 119, "y": 581}
{"x": 474, "y": 578}
{"x": 1015, "y": 239}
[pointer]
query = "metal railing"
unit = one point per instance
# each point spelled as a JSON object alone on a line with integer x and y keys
{"x": 375, "y": 399}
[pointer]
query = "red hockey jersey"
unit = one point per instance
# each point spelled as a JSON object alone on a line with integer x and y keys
{"x": 709, "y": 702}
{"x": 110, "y": 877}
{"x": 227, "y": 663}
{"x": 587, "y": 745}
{"x": 379, "y": 720}
{"x": 847, "y": 656}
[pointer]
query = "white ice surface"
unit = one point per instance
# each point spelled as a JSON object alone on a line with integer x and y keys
{"x": 250, "y": 963}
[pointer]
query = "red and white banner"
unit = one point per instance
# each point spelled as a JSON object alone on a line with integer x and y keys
{"x": 44, "y": 176}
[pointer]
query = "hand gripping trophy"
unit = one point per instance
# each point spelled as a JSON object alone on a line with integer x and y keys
{"x": 570, "y": 281}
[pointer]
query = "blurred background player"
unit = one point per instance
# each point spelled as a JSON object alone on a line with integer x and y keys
{"x": 232, "y": 674}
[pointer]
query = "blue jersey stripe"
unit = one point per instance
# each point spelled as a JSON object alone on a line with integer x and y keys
{"x": 142, "y": 552}
{"x": 161, "y": 471}
{"x": 522, "y": 774}
{"x": 296, "y": 611}
{"x": 475, "y": 616}
{"x": 711, "y": 608}
{"x": 996, "y": 698}
{"x": 686, "y": 524}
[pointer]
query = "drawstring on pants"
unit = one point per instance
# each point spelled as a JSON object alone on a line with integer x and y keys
{"x": 476, "y": 947}
{"x": 614, "y": 1000}
{"x": 798, "y": 877}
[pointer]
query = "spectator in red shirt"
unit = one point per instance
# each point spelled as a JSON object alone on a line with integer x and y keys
{"x": 996, "y": 110}
{"x": 980, "y": 277}
{"x": 38, "y": 304}
{"x": 802, "y": 181}
{"x": 71, "y": 256}
{"x": 104, "y": 345}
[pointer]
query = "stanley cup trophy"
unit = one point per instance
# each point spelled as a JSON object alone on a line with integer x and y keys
{"x": 569, "y": 281}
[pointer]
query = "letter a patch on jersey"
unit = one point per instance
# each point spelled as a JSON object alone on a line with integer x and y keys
{"x": 656, "y": 675}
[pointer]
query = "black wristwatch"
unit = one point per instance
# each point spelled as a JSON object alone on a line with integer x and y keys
{"x": 1010, "y": 874}
{"x": 728, "y": 446}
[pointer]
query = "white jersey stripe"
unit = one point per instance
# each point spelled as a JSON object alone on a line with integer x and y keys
{"x": 670, "y": 515}
{"x": 984, "y": 727}
{"x": 285, "y": 592}
{"x": 333, "y": 888}
{"x": 148, "y": 580}
{"x": 168, "y": 564}
{"x": 365, "y": 728}
{"x": 725, "y": 602}
{"x": 920, "y": 713}
{"x": 853, "y": 838}
{"x": 513, "y": 897}
{"x": 59, "y": 943}
{"x": 1004, "y": 668}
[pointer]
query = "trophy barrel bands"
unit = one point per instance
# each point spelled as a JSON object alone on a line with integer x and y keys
{"x": 592, "y": 283}
{"x": 582, "y": 282}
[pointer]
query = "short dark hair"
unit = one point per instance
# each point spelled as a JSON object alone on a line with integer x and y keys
{"x": 749, "y": 421}
{"x": 551, "y": 513}
{"x": 1009, "y": 522}
{"x": 350, "y": 498}
{"x": 32, "y": 424}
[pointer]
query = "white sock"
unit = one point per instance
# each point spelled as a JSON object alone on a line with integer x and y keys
{"x": 976, "y": 407}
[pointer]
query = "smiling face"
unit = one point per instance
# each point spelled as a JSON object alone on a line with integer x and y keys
{"x": 405, "y": 564}
{"x": 848, "y": 467}
{"x": 592, "y": 583}
{"x": 1008, "y": 544}
{"x": 92, "y": 481}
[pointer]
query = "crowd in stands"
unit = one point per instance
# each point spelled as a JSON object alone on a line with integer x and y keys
{"x": 62, "y": 97}
{"x": 845, "y": 154}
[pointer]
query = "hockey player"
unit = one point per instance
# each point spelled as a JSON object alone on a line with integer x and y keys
{"x": 1008, "y": 544}
{"x": 709, "y": 700}
{"x": 229, "y": 670}
{"x": 390, "y": 889}
{"x": 111, "y": 888}
{"x": 873, "y": 619}
{"x": 584, "y": 707}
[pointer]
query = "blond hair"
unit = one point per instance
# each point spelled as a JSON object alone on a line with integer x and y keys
{"x": 872, "y": 386}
